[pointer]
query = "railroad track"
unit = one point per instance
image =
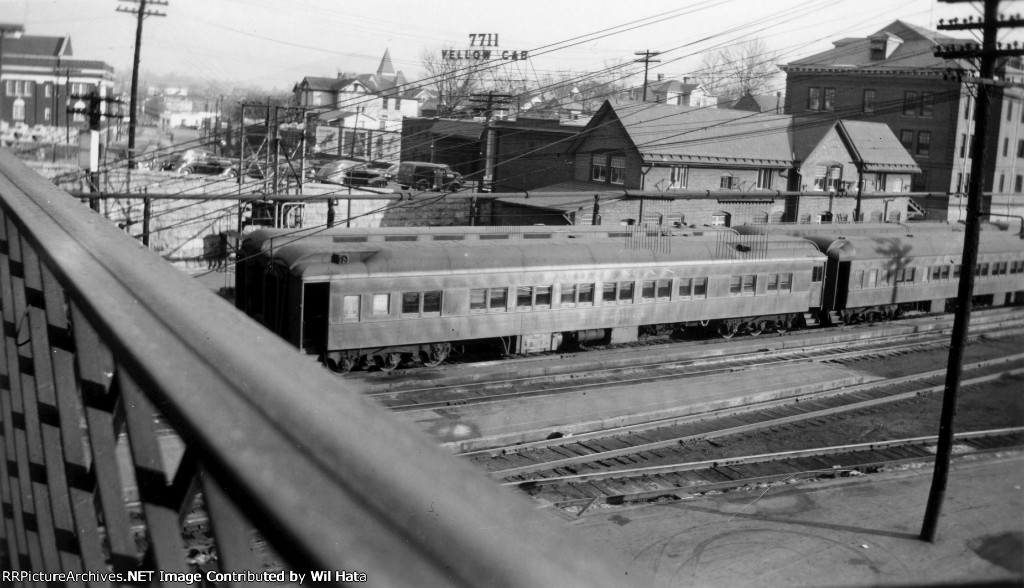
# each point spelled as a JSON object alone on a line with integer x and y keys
{"x": 674, "y": 439}
{"x": 574, "y": 495}
{"x": 648, "y": 369}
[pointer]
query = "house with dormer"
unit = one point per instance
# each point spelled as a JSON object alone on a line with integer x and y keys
{"x": 893, "y": 76}
{"x": 720, "y": 167}
{"x": 676, "y": 92}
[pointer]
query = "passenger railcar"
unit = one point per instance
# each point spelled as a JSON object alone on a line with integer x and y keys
{"x": 381, "y": 302}
{"x": 883, "y": 272}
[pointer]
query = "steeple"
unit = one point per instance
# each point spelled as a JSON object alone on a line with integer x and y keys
{"x": 385, "y": 67}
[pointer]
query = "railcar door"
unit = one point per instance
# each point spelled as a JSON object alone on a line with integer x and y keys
{"x": 817, "y": 285}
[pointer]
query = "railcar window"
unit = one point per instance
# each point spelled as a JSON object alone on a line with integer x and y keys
{"x": 586, "y": 297}
{"x": 656, "y": 290}
{"x": 872, "y": 278}
{"x": 1000, "y": 268}
{"x": 857, "y": 281}
{"x": 478, "y": 300}
{"x": 432, "y": 302}
{"x": 1017, "y": 267}
{"x": 785, "y": 282}
{"x": 626, "y": 292}
{"x": 499, "y": 299}
{"x": 700, "y": 287}
{"x": 410, "y": 302}
{"x": 542, "y": 297}
{"x": 350, "y": 309}
{"x": 886, "y": 277}
{"x": 818, "y": 274}
{"x": 981, "y": 270}
{"x": 399, "y": 237}
{"x": 734, "y": 285}
{"x": 773, "y": 284}
{"x": 524, "y": 297}
{"x": 608, "y": 293}
{"x": 568, "y": 298}
{"x": 749, "y": 285}
{"x": 381, "y": 304}
{"x": 956, "y": 271}
{"x": 904, "y": 275}
{"x": 664, "y": 289}
{"x": 494, "y": 236}
{"x": 685, "y": 287}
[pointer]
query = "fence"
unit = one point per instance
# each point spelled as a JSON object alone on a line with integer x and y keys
{"x": 273, "y": 466}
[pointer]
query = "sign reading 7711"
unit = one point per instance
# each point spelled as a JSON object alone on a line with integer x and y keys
{"x": 484, "y": 46}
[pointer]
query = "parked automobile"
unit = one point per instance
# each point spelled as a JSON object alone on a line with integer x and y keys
{"x": 372, "y": 174}
{"x": 334, "y": 172}
{"x": 200, "y": 161}
{"x": 428, "y": 176}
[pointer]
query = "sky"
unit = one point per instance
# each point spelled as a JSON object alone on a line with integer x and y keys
{"x": 275, "y": 43}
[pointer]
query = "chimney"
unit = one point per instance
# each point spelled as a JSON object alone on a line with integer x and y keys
{"x": 686, "y": 80}
{"x": 661, "y": 77}
{"x": 778, "y": 102}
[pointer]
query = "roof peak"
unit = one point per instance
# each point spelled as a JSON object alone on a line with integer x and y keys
{"x": 385, "y": 67}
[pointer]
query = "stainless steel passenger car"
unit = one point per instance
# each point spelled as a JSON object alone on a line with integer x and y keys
{"x": 382, "y": 302}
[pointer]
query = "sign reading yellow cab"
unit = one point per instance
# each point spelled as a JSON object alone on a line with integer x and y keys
{"x": 483, "y": 47}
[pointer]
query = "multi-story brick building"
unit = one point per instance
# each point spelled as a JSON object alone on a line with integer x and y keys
{"x": 893, "y": 77}
{"x": 39, "y": 75}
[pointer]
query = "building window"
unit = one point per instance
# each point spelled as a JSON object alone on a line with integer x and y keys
{"x": 79, "y": 111}
{"x": 907, "y": 138}
{"x": 677, "y": 177}
{"x": 1019, "y": 184}
{"x": 924, "y": 140}
{"x": 599, "y": 168}
{"x": 830, "y": 98}
{"x": 1002, "y": 178}
{"x": 814, "y": 99}
{"x": 398, "y": 104}
{"x": 1020, "y": 148}
{"x": 869, "y": 100}
{"x": 19, "y": 88}
{"x": 927, "y": 104}
{"x": 47, "y": 113}
{"x": 764, "y": 179}
{"x": 1006, "y": 146}
{"x": 721, "y": 219}
{"x": 48, "y": 91}
{"x": 385, "y": 104}
{"x": 910, "y": 103}
{"x": 963, "y": 145}
{"x": 618, "y": 169}
{"x": 1009, "y": 110}
{"x": 727, "y": 183}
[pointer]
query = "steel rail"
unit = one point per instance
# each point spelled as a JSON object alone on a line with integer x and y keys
{"x": 760, "y": 458}
{"x": 768, "y": 423}
{"x": 744, "y": 360}
{"x": 331, "y": 482}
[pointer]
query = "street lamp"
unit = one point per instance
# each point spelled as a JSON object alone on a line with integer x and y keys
{"x": 14, "y": 31}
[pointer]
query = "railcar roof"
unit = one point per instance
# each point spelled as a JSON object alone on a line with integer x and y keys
{"x": 919, "y": 244}
{"x": 842, "y": 230}
{"x": 408, "y": 259}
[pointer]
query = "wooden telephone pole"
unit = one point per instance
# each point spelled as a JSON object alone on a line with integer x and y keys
{"x": 648, "y": 54}
{"x": 987, "y": 52}
{"x": 141, "y": 12}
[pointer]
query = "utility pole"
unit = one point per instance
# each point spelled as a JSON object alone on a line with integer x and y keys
{"x": 141, "y": 13}
{"x": 988, "y": 52}
{"x": 648, "y": 54}
{"x": 487, "y": 144}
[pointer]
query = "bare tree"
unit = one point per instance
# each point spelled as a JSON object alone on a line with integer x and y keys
{"x": 453, "y": 80}
{"x": 732, "y": 71}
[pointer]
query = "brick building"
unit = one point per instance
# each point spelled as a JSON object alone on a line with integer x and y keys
{"x": 38, "y": 76}
{"x": 893, "y": 77}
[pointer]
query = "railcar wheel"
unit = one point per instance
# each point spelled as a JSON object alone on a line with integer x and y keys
{"x": 437, "y": 354}
{"x": 756, "y": 328}
{"x": 781, "y": 325}
{"x": 726, "y": 330}
{"x": 390, "y": 362}
{"x": 340, "y": 363}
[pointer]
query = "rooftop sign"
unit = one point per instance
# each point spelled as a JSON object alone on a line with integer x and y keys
{"x": 483, "y": 47}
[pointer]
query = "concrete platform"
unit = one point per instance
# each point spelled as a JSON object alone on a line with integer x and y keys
{"x": 856, "y": 532}
{"x": 516, "y": 420}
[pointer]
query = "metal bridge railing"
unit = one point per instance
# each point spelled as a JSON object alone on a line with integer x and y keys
{"x": 105, "y": 348}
